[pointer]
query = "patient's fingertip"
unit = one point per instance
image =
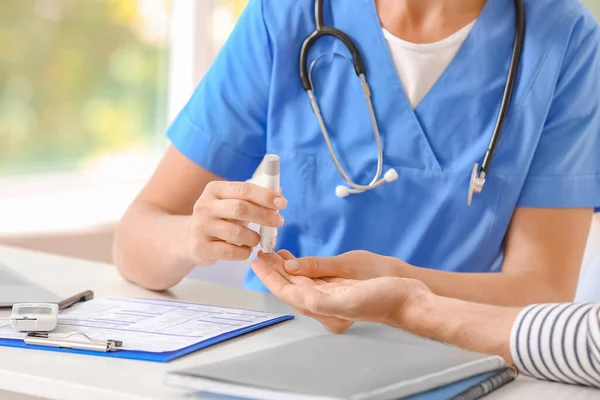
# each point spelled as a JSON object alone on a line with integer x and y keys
{"x": 292, "y": 266}
{"x": 264, "y": 257}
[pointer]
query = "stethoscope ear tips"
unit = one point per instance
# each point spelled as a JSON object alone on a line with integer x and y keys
{"x": 342, "y": 191}
{"x": 391, "y": 175}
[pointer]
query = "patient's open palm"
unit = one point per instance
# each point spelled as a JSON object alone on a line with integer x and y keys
{"x": 336, "y": 302}
{"x": 373, "y": 300}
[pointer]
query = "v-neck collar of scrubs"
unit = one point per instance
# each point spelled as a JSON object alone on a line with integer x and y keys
{"x": 455, "y": 67}
{"x": 361, "y": 22}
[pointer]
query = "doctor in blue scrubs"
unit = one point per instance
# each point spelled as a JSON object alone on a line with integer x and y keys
{"x": 437, "y": 74}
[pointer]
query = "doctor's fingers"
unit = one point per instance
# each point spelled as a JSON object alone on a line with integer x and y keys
{"x": 232, "y": 232}
{"x": 222, "y": 251}
{"x": 243, "y": 211}
{"x": 246, "y": 191}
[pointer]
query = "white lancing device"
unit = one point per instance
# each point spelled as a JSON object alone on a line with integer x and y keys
{"x": 270, "y": 180}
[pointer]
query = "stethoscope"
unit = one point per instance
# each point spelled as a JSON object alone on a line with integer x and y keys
{"x": 478, "y": 175}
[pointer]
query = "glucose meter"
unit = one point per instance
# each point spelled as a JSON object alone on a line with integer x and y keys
{"x": 34, "y": 317}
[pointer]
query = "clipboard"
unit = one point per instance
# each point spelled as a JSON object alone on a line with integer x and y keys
{"x": 141, "y": 355}
{"x": 117, "y": 348}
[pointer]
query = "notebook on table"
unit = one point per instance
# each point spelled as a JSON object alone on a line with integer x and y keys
{"x": 335, "y": 367}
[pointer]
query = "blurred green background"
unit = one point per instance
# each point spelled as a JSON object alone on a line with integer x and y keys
{"x": 594, "y": 6}
{"x": 80, "y": 79}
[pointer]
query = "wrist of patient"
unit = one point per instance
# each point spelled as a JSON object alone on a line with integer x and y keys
{"x": 476, "y": 327}
{"x": 429, "y": 315}
{"x": 408, "y": 312}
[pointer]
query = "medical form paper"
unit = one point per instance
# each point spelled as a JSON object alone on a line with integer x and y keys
{"x": 154, "y": 326}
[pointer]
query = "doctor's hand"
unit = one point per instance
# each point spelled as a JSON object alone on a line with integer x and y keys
{"x": 273, "y": 263}
{"x": 359, "y": 265}
{"x": 218, "y": 229}
{"x": 382, "y": 300}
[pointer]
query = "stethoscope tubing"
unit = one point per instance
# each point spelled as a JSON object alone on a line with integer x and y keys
{"x": 359, "y": 68}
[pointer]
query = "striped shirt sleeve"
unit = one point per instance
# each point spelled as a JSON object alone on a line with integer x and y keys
{"x": 558, "y": 342}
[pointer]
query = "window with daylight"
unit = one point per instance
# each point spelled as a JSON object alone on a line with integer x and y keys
{"x": 87, "y": 90}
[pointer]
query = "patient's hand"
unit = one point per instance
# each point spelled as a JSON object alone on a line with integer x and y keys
{"x": 356, "y": 264}
{"x": 272, "y": 265}
{"x": 383, "y": 300}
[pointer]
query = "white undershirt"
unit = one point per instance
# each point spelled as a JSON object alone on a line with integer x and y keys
{"x": 419, "y": 66}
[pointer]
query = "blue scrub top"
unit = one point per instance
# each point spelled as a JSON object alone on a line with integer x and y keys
{"x": 251, "y": 102}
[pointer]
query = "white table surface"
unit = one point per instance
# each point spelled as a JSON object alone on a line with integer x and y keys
{"x": 66, "y": 376}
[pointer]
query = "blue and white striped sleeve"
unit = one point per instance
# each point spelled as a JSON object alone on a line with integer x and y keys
{"x": 558, "y": 342}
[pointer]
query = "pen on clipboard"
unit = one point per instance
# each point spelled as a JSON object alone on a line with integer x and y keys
{"x": 78, "y": 298}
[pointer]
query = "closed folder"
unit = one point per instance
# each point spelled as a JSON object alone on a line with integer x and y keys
{"x": 336, "y": 367}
